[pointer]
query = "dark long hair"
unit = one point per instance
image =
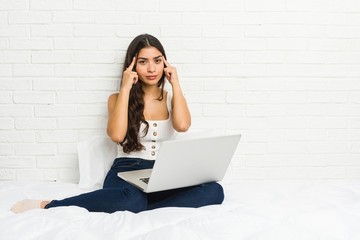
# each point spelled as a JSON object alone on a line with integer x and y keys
{"x": 136, "y": 100}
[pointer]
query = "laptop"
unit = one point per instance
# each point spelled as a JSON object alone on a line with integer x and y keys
{"x": 186, "y": 162}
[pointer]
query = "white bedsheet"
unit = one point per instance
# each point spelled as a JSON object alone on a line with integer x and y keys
{"x": 252, "y": 210}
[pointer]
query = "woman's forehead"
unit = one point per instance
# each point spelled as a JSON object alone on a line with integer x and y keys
{"x": 149, "y": 52}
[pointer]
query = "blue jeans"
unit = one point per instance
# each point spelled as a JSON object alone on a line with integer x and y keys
{"x": 118, "y": 195}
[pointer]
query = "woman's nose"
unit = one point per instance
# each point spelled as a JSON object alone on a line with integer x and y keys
{"x": 151, "y": 67}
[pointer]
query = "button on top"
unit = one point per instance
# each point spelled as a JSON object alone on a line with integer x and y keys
{"x": 154, "y": 125}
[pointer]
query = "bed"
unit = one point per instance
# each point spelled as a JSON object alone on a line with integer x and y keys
{"x": 252, "y": 209}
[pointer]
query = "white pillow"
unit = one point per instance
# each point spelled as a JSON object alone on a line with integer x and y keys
{"x": 96, "y": 156}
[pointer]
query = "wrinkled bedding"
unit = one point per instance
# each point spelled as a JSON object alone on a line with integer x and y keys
{"x": 252, "y": 210}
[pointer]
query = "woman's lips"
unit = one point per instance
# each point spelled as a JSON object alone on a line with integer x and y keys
{"x": 152, "y": 77}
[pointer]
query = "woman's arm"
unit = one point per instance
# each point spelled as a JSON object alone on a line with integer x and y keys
{"x": 180, "y": 112}
{"x": 118, "y": 115}
{"x": 118, "y": 104}
{"x": 181, "y": 118}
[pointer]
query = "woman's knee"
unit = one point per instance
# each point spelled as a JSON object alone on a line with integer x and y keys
{"x": 130, "y": 200}
{"x": 138, "y": 204}
{"x": 214, "y": 191}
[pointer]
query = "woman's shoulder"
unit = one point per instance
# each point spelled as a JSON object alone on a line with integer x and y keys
{"x": 112, "y": 100}
{"x": 113, "y": 97}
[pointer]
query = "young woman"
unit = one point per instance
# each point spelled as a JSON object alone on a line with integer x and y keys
{"x": 141, "y": 116}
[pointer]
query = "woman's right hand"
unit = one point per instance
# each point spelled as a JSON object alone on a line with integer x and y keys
{"x": 130, "y": 77}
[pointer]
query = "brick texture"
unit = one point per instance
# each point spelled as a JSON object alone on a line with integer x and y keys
{"x": 285, "y": 74}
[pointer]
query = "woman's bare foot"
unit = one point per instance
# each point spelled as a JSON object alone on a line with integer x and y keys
{"x": 28, "y": 204}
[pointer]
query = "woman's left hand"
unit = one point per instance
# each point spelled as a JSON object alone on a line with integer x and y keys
{"x": 170, "y": 72}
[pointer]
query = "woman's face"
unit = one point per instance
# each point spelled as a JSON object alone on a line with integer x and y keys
{"x": 149, "y": 65}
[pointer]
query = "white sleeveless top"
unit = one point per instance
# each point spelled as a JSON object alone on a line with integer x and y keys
{"x": 159, "y": 131}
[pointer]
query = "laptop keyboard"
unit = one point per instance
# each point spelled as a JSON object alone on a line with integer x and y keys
{"x": 145, "y": 180}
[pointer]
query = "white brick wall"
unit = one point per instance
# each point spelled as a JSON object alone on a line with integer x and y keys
{"x": 284, "y": 73}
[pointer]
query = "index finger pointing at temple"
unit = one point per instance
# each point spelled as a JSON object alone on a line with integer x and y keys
{"x": 166, "y": 63}
{"x": 131, "y": 66}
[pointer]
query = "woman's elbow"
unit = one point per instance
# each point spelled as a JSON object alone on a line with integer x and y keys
{"x": 183, "y": 127}
{"x": 115, "y": 137}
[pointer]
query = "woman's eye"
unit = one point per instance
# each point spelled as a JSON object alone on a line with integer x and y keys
{"x": 158, "y": 61}
{"x": 141, "y": 62}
